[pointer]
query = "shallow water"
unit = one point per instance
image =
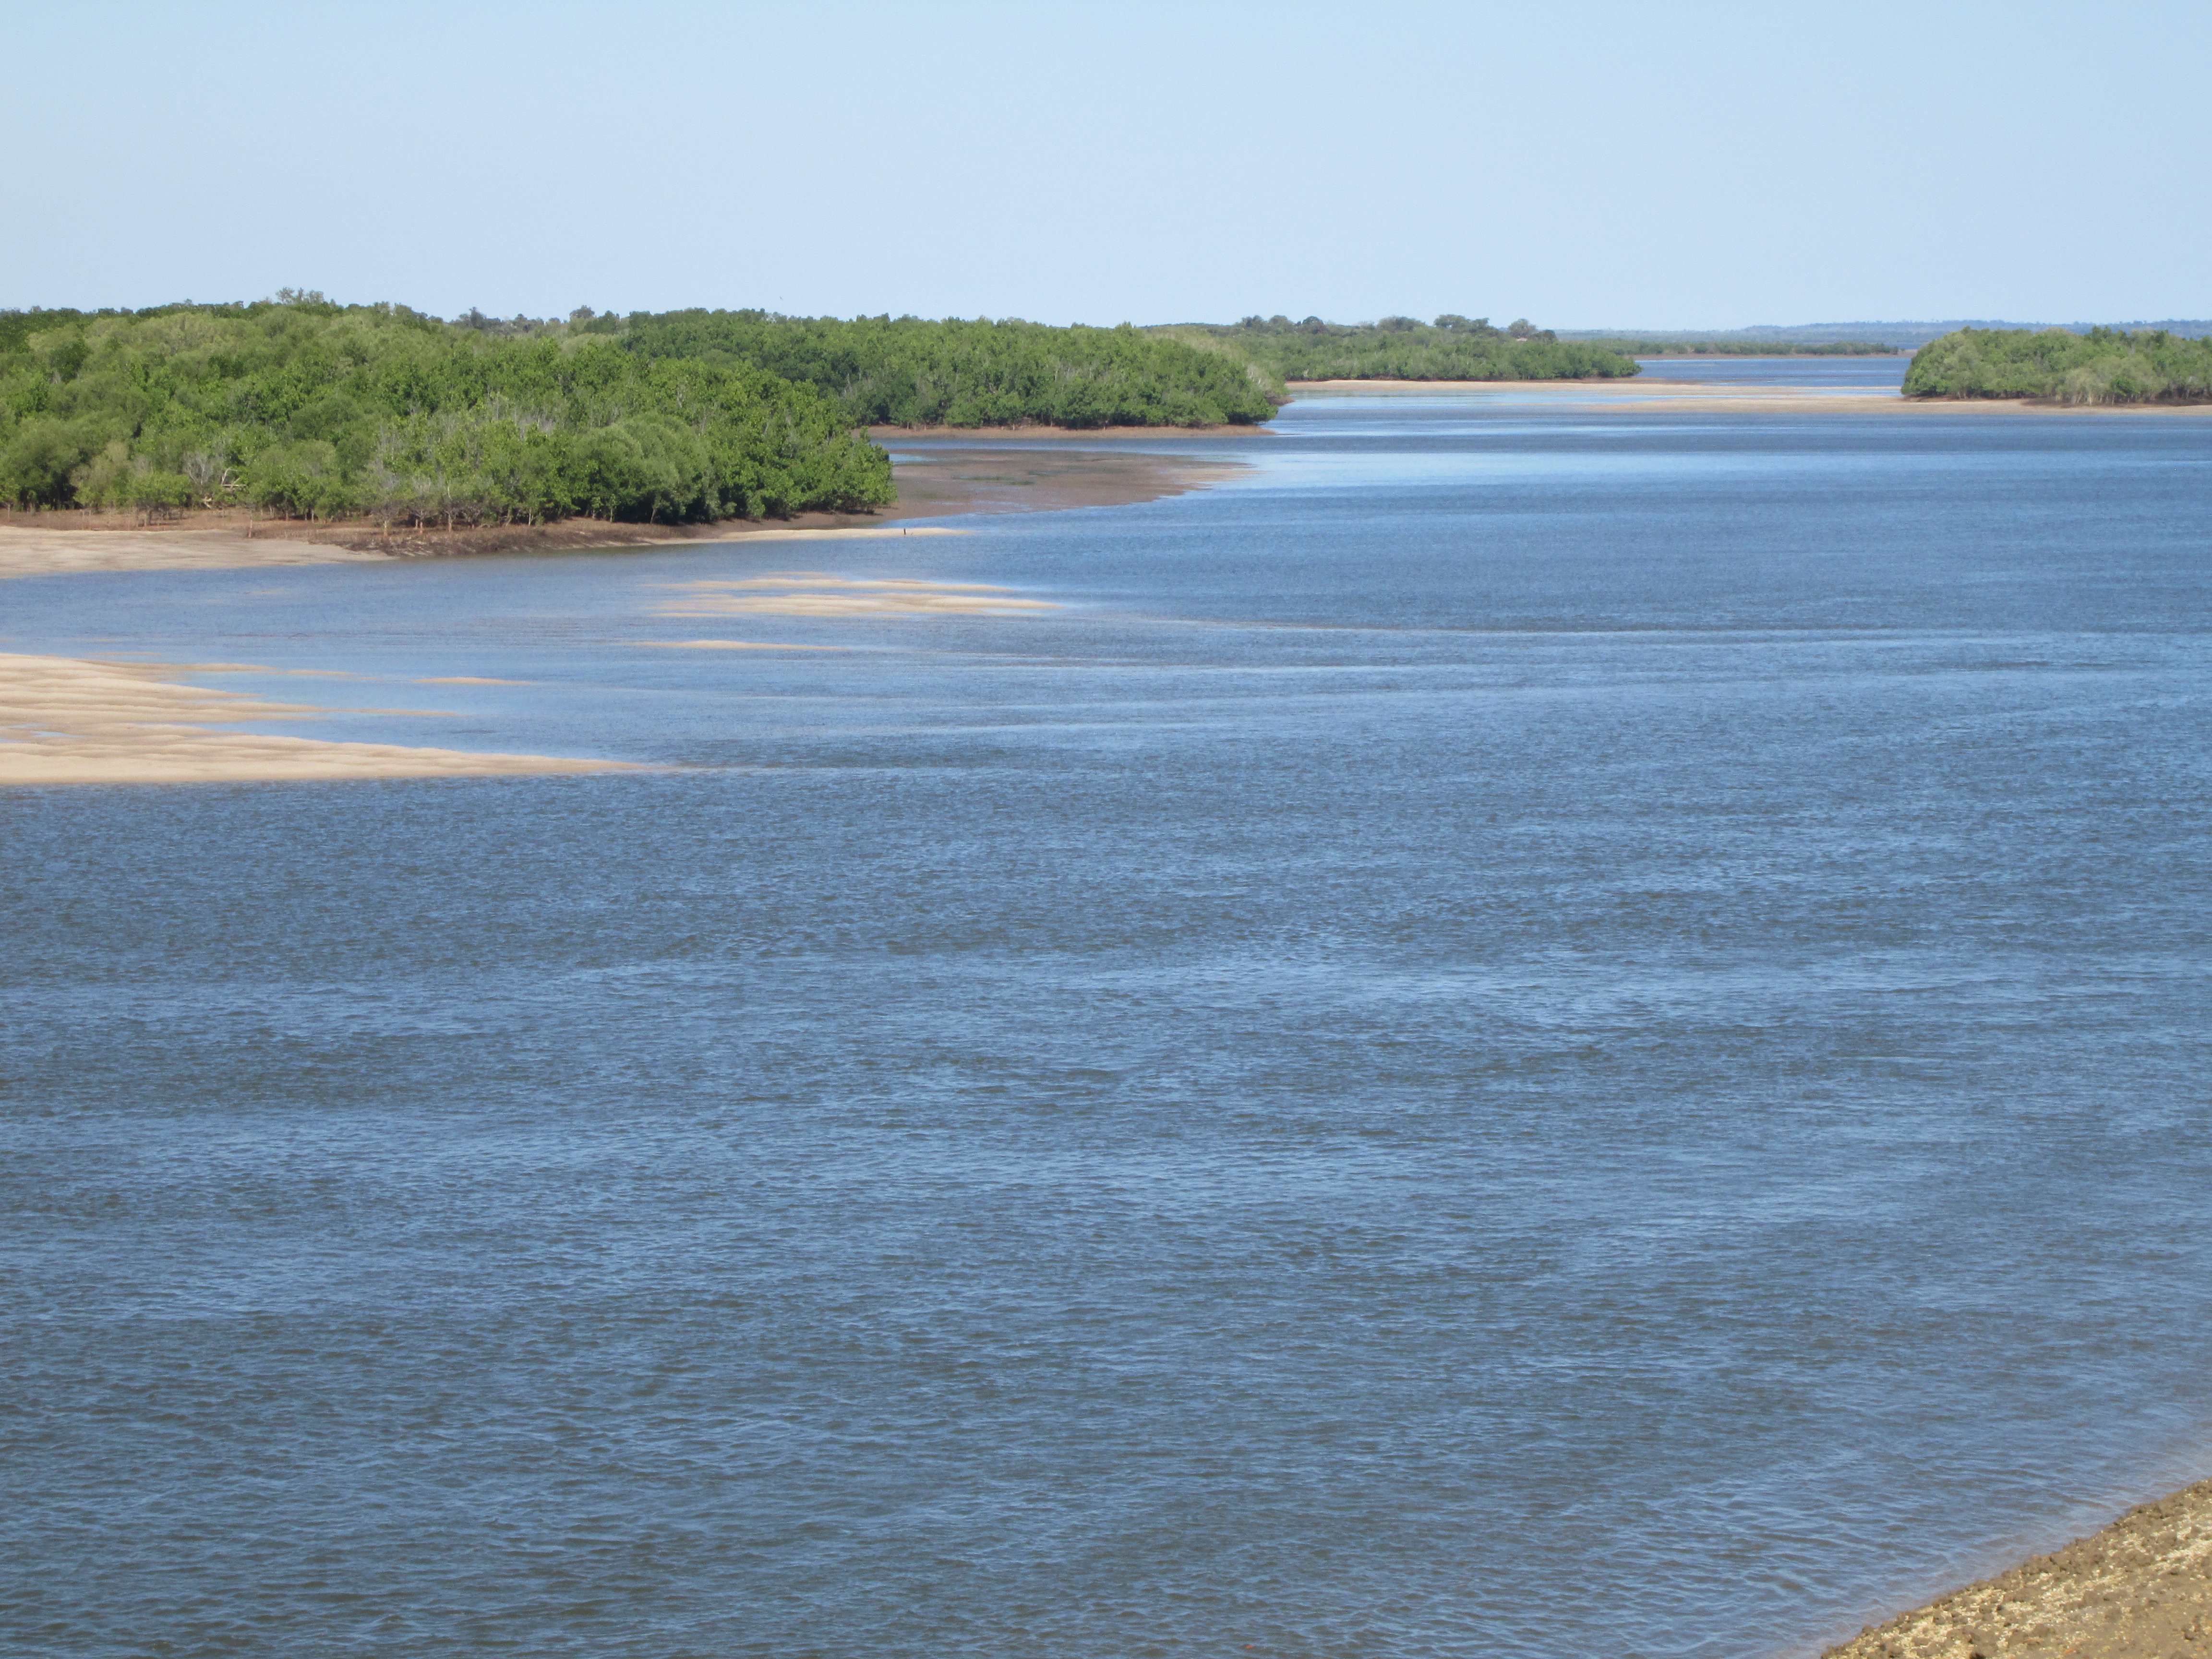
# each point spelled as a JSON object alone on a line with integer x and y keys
{"x": 1811, "y": 373}
{"x": 1517, "y": 1035}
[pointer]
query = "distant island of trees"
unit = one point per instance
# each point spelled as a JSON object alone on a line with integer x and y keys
{"x": 2100, "y": 366}
{"x": 1450, "y": 348}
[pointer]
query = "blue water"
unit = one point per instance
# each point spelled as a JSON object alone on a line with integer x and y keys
{"x": 1824, "y": 374}
{"x": 1520, "y": 1033}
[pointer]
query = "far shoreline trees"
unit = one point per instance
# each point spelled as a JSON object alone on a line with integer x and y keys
{"x": 1451, "y": 348}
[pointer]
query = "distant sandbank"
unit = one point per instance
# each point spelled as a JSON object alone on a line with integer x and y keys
{"x": 1625, "y": 396}
{"x": 69, "y": 719}
{"x": 2141, "y": 1589}
{"x": 820, "y": 594}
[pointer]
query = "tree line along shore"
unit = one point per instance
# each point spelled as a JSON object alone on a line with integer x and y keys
{"x": 307, "y": 409}
{"x": 311, "y": 409}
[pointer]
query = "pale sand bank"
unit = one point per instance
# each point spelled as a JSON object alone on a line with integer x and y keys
{"x": 1718, "y": 397}
{"x": 26, "y": 551}
{"x": 814, "y": 593}
{"x": 65, "y": 720}
{"x": 2141, "y": 1589}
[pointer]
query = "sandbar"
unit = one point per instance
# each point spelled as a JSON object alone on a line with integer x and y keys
{"x": 2141, "y": 1589}
{"x": 69, "y": 720}
{"x": 816, "y": 593}
{"x": 31, "y": 550}
{"x": 1649, "y": 397}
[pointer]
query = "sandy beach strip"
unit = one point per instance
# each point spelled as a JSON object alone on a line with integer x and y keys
{"x": 1633, "y": 396}
{"x": 31, "y": 551}
{"x": 1625, "y": 396}
{"x": 2141, "y": 1589}
{"x": 69, "y": 719}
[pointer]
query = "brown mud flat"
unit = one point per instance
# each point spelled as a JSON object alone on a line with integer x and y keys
{"x": 568, "y": 534}
{"x": 1382, "y": 384}
{"x": 890, "y": 435}
{"x": 936, "y": 483}
{"x": 2141, "y": 1589}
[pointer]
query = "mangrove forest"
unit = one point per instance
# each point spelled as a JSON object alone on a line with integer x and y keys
{"x": 2098, "y": 366}
{"x": 315, "y": 410}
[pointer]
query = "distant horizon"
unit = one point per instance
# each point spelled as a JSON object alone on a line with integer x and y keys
{"x": 1804, "y": 332}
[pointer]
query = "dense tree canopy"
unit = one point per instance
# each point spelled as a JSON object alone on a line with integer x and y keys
{"x": 2102, "y": 365}
{"x": 1452, "y": 347}
{"x": 906, "y": 371}
{"x": 317, "y": 409}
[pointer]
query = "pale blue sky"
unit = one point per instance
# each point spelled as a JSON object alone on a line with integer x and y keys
{"x": 1581, "y": 162}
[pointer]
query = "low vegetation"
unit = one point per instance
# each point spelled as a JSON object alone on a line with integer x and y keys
{"x": 2100, "y": 365}
{"x": 1451, "y": 348}
{"x": 320, "y": 410}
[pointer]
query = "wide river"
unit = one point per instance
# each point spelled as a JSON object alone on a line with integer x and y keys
{"x": 1528, "y": 1031}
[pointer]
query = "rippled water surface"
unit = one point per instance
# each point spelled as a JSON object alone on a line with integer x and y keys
{"x": 1521, "y": 1033}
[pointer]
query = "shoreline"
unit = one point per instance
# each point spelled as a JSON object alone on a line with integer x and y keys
{"x": 78, "y": 720}
{"x": 2138, "y": 1589}
{"x": 888, "y": 435}
{"x": 938, "y": 483}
